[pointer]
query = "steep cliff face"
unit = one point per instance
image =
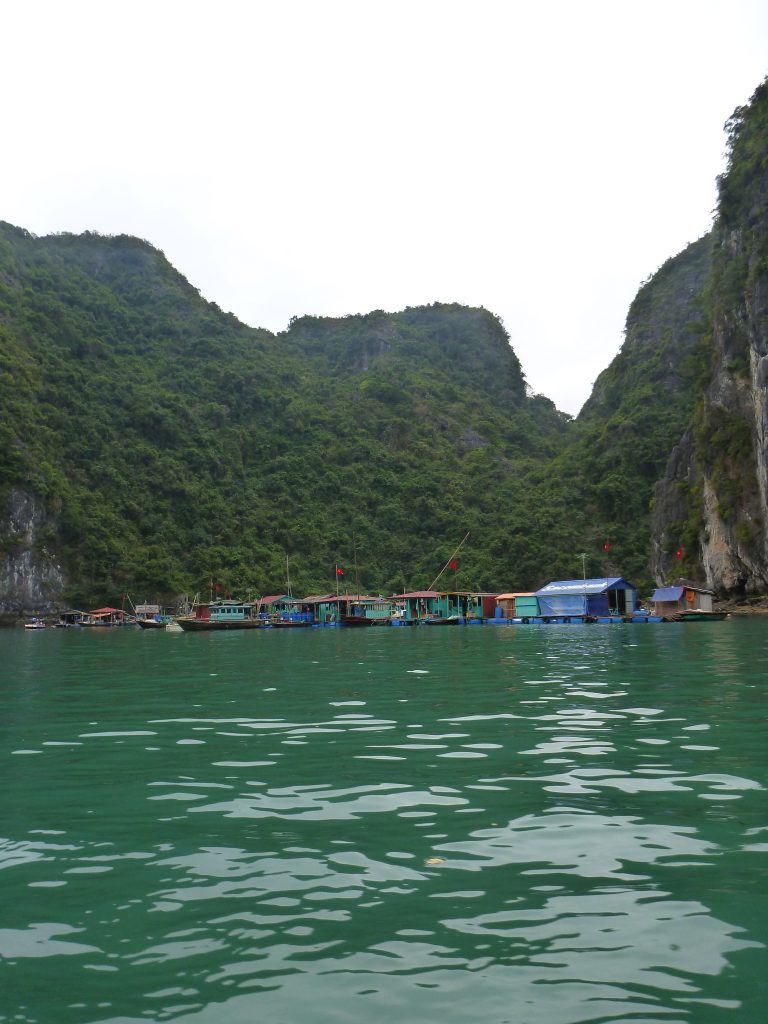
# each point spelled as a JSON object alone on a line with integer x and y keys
{"x": 712, "y": 504}
{"x": 30, "y": 578}
{"x": 639, "y": 407}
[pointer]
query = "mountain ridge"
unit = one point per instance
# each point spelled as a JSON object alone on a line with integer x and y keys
{"x": 151, "y": 441}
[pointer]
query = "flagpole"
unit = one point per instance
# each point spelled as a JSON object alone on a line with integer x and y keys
{"x": 434, "y": 581}
{"x": 357, "y": 577}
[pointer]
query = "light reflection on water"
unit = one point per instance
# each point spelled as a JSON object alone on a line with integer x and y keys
{"x": 339, "y": 826}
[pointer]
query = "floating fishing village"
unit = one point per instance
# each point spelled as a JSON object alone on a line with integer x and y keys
{"x": 611, "y": 600}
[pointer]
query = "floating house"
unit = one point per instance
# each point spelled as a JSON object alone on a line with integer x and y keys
{"x": 683, "y": 597}
{"x": 487, "y": 603}
{"x": 454, "y": 605}
{"x": 605, "y": 598}
{"x": 416, "y": 605}
{"x": 106, "y": 617}
{"x": 285, "y": 608}
{"x": 462, "y": 604}
{"x": 520, "y": 605}
{"x": 349, "y": 610}
{"x": 73, "y": 617}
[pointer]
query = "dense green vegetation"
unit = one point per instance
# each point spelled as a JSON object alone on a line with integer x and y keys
{"x": 173, "y": 445}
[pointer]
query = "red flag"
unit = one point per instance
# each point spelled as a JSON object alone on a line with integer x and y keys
{"x": 453, "y": 564}
{"x": 606, "y": 545}
{"x": 218, "y": 588}
{"x": 339, "y": 572}
{"x": 679, "y": 554}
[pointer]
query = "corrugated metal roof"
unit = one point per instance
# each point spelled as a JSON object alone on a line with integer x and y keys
{"x": 520, "y": 593}
{"x": 667, "y": 594}
{"x": 419, "y": 593}
{"x": 585, "y": 586}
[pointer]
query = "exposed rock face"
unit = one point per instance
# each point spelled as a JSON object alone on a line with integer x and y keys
{"x": 30, "y": 578}
{"x": 714, "y": 495}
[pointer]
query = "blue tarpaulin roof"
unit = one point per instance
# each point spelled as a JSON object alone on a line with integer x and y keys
{"x": 586, "y": 586}
{"x": 667, "y": 594}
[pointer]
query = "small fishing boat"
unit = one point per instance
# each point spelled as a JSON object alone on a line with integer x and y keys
{"x": 441, "y": 620}
{"x": 35, "y": 623}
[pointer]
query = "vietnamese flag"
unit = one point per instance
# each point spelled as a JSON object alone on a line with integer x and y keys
{"x": 606, "y": 545}
{"x": 339, "y": 571}
{"x": 453, "y": 564}
{"x": 679, "y": 554}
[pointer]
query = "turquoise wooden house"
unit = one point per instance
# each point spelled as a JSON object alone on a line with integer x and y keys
{"x": 417, "y": 605}
{"x": 348, "y": 609}
{"x": 463, "y": 605}
{"x": 516, "y": 606}
{"x": 426, "y": 605}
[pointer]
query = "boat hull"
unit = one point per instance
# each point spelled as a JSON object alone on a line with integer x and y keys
{"x": 699, "y": 616}
{"x": 212, "y": 626}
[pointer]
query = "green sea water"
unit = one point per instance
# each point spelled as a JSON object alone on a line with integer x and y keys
{"x": 523, "y": 824}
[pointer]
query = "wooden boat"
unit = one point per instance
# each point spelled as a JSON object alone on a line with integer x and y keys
{"x": 35, "y": 624}
{"x": 192, "y": 625}
{"x": 698, "y": 615}
{"x": 441, "y": 620}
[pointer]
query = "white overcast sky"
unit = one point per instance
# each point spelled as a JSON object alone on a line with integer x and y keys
{"x": 539, "y": 159}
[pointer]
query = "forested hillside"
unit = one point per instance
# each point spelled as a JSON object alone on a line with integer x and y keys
{"x": 149, "y": 442}
{"x": 163, "y": 443}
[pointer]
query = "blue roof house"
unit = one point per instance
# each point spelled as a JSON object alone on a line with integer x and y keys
{"x": 606, "y": 597}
